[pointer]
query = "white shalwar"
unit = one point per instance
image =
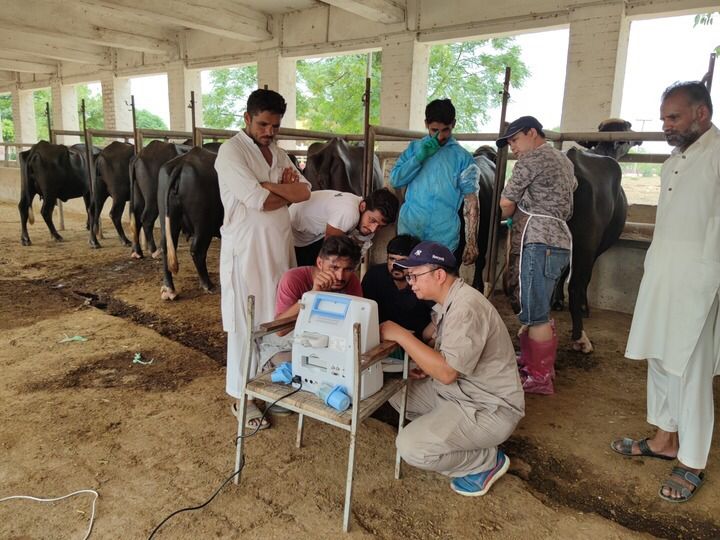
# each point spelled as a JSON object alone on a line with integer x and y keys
{"x": 256, "y": 248}
{"x": 676, "y": 323}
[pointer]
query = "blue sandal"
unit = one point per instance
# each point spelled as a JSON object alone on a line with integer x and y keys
{"x": 685, "y": 494}
{"x": 478, "y": 484}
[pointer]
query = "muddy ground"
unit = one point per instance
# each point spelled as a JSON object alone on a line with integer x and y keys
{"x": 154, "y": 438}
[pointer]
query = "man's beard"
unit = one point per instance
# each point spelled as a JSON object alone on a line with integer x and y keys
{"x": 686, "y": 138}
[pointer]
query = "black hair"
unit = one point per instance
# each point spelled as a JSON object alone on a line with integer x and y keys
{"x": 695, "y": 91}
{"x": 440, "y": 110}
{"x": 340, "y": 246}
{"x": 448, "y": 269}
{"x": 265, "y": 100}
{"x": 386, "y": 202}
{"x": 402, "y": 244}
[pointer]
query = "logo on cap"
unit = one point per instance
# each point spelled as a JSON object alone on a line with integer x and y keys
{"x": 418, "y": 252}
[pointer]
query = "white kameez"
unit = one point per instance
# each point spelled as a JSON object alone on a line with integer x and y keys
{"x": 682, "y": 265}
{"x": 257, "y": 246}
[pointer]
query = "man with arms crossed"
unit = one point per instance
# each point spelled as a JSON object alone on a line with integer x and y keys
{"x": 257, "y": 183}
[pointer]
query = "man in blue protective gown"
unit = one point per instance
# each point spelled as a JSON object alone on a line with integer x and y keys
{"x": 439, "y": 176}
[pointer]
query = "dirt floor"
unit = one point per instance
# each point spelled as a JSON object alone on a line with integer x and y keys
{"x": 155, "y": 438}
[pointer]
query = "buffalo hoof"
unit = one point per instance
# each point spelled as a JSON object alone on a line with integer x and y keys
{"x": 58, "y": 238}
{"x": 156, "y": 254}
{"x": 167, "y": 294}
{"x": 208, "y": 289}
{"x": 558, "y": 305}
{"x": 136, "y": 255}
{"x": 125, "y": 242}
{"x": 95, "y": 245}
{"x": 583, "y": 344}
{"x": 25, "y": 242}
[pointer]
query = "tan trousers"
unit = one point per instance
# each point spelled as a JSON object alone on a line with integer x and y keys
{"x": 443, "y": 438}
{"x": 685, "y": 404}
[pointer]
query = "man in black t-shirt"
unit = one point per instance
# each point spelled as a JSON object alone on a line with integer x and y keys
{"x": 388, "y": 287}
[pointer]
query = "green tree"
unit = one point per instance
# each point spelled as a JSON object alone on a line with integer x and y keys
{"x": 330, "y": 91}
{"x": 94, "y": 114}
{"x": 471, "y": 74}
{"x": 6, "y": 118}
{"x": 224, "y": 105}
{"x": 40, "y": 99}
{"x": 706, "y": 19}
{"x": 147, "y": 120}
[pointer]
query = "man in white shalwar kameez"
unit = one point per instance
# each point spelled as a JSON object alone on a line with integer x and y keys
{"x": 675, "y": 325}
{"x": 257, "y": 183}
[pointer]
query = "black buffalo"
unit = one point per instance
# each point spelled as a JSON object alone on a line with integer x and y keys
{"x": 600, "y": 210}
{"x": 338, "y": 165}
{"x": 144, "y": 171}
{"x": 189, "y": 202}
{"x": 112, "y": 179}
{"x": 52, "y": 171}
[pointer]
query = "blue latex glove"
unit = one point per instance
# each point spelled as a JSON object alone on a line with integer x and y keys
{"x": 428, "y": 148}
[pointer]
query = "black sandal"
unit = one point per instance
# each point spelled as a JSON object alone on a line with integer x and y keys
{"x": 625, "y": 448}
{"x": 681, "y": 472}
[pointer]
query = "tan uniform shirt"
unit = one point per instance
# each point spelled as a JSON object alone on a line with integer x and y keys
{"x": 475, "y": 342}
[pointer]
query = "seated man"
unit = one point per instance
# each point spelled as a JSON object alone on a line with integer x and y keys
{"x": 386, "y": 284}
{"x": 333, "y": 213}
{"x": 334, "y": 271}
{"x": 466, "y": 397}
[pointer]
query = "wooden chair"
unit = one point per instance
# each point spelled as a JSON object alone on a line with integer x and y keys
{"x": 308, "y": 404}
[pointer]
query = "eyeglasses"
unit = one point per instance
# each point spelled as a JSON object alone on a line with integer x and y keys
{"x": 412, "y": 277}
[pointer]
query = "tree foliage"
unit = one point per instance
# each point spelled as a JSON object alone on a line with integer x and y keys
{"x": 147, "y": 120}
{"x": 707, "y": 19}
{"x": 471, "y": 74}
{"x": 224, "y": 106}
{"x": 330, "y": 90}
{"x": 6, "y": 118}
{"x": 40, "y": 99}
{"x": 94, "y": 114}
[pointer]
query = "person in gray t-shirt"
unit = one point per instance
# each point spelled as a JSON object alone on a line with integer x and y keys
{"x": 540, "y": 194}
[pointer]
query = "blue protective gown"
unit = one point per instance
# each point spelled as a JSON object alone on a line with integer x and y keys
{"x": 435, "y": 191}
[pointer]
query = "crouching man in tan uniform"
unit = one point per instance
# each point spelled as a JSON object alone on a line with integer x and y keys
{"x": 466, "y": 396}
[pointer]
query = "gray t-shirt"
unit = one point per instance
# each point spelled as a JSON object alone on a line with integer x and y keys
{"x": 475, "y": 342}
{"x": 542, "y": 183}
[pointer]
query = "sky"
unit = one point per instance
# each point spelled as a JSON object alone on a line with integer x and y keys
{"x": 660, "y": 52}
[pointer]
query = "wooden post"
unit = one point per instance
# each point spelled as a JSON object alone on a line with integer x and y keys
{"x": 49, "y": 122}
{"x": 192, "y": 116}
{"x": 500, "y": 168}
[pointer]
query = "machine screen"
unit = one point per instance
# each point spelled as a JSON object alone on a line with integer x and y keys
{"x": 329, "y": 306}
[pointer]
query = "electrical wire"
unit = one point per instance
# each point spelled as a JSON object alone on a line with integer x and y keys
{"x": 79, "y": 492}
{"x": 233, "y": 475}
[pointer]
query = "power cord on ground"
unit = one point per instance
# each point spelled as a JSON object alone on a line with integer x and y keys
{"x": 297, "y": 380}
{"x": 79, "y": 492}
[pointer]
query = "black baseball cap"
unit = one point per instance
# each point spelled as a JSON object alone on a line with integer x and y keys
{"x": 428, "y": 253}
{"x": 524, "y": 122}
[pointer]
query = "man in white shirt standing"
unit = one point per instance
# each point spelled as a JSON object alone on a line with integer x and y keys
{"x": 335, "y": 213}
{"x": 257, "y": 183}
{"x": 676, "y": 325}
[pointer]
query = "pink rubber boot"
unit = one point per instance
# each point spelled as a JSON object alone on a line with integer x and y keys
{"x": 538, "y": 374}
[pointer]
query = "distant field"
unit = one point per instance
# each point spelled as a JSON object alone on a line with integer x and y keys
{"x": 642, "y": 189}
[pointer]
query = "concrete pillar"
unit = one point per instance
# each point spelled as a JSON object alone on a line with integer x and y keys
{"x": 64, "y": 110}
{"x": 181, "y": 82}
{"x": 404, "y": 83}
{"x": 597, "y": 54}
{"x": 24, "y": 116}
{"x": 116, "y": 102}
{"x": 279, "y": 74}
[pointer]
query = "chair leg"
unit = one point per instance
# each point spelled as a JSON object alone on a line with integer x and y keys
{"x": 301, "y": 425}
{"x": 349, "y": 481}
{"x": 401, "y": 423}
{"x": 242, "y": 410}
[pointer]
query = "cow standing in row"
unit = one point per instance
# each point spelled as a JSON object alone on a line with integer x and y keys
{"x": 54, "y": 172}
{"x": 189, "y": 202}
{"x": 144, "y": 171}
{"x": 338, "y": 165}
{"x": 112, "y": 179}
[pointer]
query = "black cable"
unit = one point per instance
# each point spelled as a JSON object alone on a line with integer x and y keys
{"x": 242, "y": 464}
